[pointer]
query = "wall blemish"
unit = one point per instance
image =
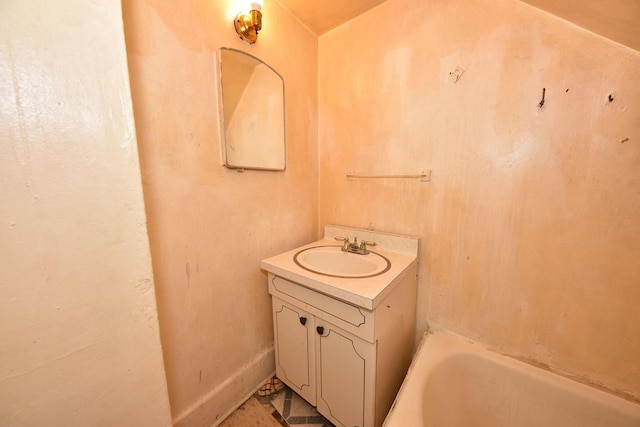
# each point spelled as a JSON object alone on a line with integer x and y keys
{"x": 455, "y": 75}
{"x": 541, "y": 103}
{"x": 188, "y": 271}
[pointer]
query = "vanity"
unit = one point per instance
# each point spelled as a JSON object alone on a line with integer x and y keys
{"x": 344, "y": 322}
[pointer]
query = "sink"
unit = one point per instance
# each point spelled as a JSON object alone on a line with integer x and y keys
{"x": 334, "y": 262}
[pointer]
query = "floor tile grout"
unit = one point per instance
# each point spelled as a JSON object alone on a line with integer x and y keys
{"x": 304, "y": 415}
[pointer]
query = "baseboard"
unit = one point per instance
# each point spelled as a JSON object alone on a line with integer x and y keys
{"x": 220, "y": 402}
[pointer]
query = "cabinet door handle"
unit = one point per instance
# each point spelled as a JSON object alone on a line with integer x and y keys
{"x": 320, "y": 330}
{"x": 303, "y": 320}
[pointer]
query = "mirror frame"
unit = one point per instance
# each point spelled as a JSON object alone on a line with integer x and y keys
{"x": 223, "y": 136}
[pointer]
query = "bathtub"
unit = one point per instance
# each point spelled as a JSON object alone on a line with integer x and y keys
{"x": 454, "y": 383}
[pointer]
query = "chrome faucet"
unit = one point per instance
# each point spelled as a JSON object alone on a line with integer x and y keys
{"x": 354, "y": 248}
{"x": 347, "y": 246}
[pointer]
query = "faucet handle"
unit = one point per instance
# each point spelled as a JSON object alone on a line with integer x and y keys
{"x": 346, "y": 244}
{"x": 364, "y": 244}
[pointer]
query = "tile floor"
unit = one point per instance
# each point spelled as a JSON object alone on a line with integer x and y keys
{"x": 296, "y": 412}
{"x": 275, "y": 405}
{"x": 251, "y": 414}
{"x": 287, "y": 408}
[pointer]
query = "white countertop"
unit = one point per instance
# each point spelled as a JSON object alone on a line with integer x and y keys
{"x": 401, "y": 251}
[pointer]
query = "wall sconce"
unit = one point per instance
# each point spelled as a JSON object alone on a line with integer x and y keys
{"x": 248, "y": 25}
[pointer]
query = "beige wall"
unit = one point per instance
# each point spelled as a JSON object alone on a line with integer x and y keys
{"x": 530, "y": 227}
{"x": 210, "y": 226}
{"x": 79, "y": 335}
{"x": 617, "y": 20}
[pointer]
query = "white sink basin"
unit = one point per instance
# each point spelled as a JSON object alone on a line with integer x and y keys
{"x": 332, "y": 261}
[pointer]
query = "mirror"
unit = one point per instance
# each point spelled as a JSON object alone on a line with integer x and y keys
{"x": 252, "y": 113}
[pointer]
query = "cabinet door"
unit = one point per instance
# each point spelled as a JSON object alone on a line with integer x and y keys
{"x": 345, "y": 369}
{"x": 294, "y": 348}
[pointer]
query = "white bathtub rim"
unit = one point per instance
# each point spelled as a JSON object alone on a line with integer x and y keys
{"x": 442, "y": 345}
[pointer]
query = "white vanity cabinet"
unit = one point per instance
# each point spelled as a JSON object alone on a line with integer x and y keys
{"x": 347, "y": 361}
{"x": 345, "y": 369}
{"x": 294, "y": 331}
{"x": 344, "y": 343}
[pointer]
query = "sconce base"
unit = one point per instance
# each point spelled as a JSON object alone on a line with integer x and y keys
{"x": 248, "y": 25}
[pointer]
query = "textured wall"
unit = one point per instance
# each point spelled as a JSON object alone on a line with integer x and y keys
{"x": 617, "y": 20}
{"x": 209, "y": 226}
{"x": 530, "y": 227}
{"x": 79, "y": 334}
